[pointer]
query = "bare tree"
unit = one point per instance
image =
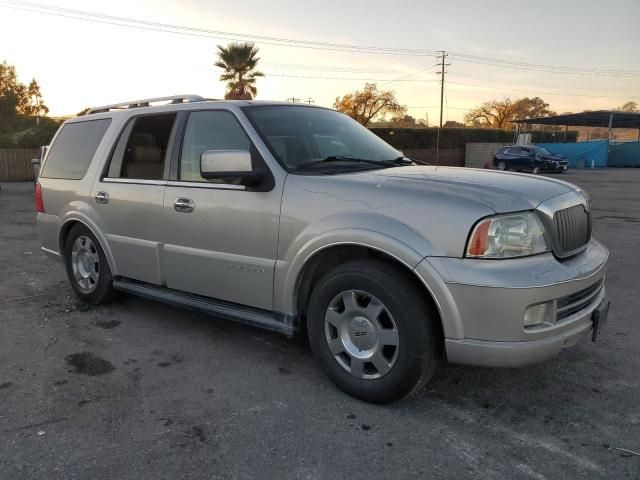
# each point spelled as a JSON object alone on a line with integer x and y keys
{"x": 363, "y": 106}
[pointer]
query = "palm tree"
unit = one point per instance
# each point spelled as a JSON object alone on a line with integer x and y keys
{"x": 239, "y": 62}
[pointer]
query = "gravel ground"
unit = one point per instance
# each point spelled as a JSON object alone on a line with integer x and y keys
{"x": 137, "y": 390}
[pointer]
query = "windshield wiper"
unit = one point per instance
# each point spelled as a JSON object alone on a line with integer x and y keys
{"x": 399, "y": 161}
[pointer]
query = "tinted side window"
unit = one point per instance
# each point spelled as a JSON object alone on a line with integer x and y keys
{"x": 142, "y": 148}
{"x": 74, "y": 148}
{"x": 209, "y": 130}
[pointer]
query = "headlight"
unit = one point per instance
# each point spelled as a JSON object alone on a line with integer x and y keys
{"x": 507, "y": 236}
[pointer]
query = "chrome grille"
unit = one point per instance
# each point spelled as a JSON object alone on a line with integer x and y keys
{"x": 573, "y": 229}
{"x": 575, "y": 302}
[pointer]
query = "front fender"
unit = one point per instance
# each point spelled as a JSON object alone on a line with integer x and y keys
{"x": 369, "y": 230}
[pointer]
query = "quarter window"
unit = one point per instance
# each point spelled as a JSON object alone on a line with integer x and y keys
{"x": 74, "y": 148}
{"x": 209, "y": 130}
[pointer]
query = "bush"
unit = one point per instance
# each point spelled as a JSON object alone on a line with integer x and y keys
{"x": 23, "y": 131}
{"x": 406, "y": 138}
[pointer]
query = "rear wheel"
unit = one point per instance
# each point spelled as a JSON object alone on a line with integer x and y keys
{"x": 87, "y": 267}
{"x": 502, "y": 166}
{"x": 373, "y": 331}
{"x": 536, "y": 170}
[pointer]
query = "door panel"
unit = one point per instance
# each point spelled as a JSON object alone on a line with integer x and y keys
{"x": 129, "y": 200}
{"x": 226, "y": 247}
{"x": 220, "y": 238}
{"x": 132, "y": 221}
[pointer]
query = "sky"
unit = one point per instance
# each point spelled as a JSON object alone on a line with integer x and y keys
{"x": 80, "y": 63}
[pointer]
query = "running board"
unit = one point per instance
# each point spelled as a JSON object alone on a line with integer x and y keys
{"x": 251, "y": 316}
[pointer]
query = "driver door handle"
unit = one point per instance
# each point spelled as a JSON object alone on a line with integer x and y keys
{"x": 102, "y": 197}
{"x": 184, "y": 205}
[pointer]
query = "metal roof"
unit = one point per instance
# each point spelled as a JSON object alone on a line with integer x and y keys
{"x": 598, "y": 118}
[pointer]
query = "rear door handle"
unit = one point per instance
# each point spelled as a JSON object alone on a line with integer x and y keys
{"x": 184, "y": 205}
{"x": 102, "y": 197}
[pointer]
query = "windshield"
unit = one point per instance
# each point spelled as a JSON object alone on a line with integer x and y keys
{"x": 302, "y": 137}
{"x": 541, "y": 151}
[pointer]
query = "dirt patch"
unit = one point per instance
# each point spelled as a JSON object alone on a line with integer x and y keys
{"x": 5, "y": 385}
{"x": 199, "y": 433}
{"x": 87, "y": 363}
{"x": 108, "y": 324}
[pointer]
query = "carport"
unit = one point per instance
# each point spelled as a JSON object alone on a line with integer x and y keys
{"x": 602, "y": 153}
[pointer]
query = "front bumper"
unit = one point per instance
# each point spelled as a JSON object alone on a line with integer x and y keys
{"x": 483, "y": 303}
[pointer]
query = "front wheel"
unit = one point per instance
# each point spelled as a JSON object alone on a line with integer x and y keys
{"x": 536, "y": 170}
{"x": 373, "y": 331}
{"x": 502, "y": 166}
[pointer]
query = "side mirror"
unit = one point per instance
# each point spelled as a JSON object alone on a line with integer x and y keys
{"x": 230, "y": 165}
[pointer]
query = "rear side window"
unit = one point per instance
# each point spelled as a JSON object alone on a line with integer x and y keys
{"x": 74, "y": 148}
{"x": 142, "y": 148}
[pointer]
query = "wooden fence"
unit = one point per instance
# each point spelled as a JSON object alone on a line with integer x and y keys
{"x": 15, "y": 164}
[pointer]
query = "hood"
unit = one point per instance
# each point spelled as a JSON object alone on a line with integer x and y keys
{"x": 500, "y": 191}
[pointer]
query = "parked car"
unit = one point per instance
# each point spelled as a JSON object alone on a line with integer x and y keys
{"x": 298, "y": 219}
{"x": 530, "y": 159}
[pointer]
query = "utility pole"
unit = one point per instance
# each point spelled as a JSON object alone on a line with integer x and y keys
{"x": 443, "y": 56}
{"x": 310, "y": 101}
{"x": 442, "y": 73}
{"x": 293, "y": 100}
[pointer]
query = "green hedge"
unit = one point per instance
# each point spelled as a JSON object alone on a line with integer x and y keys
{"x": 405, "y": 138}
{"x": 26, "y": 132}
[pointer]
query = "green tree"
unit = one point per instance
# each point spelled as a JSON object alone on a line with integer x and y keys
{"x": 631, "y": 107}
{"x": 525, "y": 108}
{"x": 35, "y": 106}
{"x": 239, "y": 62}
{"x": 364, "y": 106}
{"x": 17, "y": 98}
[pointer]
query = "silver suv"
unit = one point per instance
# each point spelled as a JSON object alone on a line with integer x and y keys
{"x": 297, "y": 219}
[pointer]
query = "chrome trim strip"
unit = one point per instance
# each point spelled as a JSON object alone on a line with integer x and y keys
{"x": 217, "y": 186}
{"x": 134, "y": 181}
{"x": 548, "y": 209}
{"x": 48, "y": 251}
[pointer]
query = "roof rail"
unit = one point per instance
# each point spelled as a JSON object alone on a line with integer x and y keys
{"x": 145, "y": 102}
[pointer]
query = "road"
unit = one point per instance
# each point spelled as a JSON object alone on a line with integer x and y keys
{"x": 140, "y": 390}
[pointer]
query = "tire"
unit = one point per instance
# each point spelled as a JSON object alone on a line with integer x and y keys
{"x": 536, "y": 170}
{"x": 385, "y": 307}
{"x": 502, "y": 166}
{"x": 87, "y": 267}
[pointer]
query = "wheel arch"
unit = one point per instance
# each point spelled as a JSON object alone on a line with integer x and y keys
{"x": 72, "y": 220}
{"x": 324, "y": 259}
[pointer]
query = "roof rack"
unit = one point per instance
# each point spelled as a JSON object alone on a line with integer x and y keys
{"x": 145, "y": 102}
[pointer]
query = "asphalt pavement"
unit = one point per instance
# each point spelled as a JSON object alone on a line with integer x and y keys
{"x": 140, "y": 390}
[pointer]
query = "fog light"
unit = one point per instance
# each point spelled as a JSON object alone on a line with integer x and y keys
{"x": 536, "y": 314}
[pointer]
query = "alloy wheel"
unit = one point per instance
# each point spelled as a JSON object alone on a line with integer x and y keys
{"x": 361, "y": 334}
{"x": 85, "y": 263}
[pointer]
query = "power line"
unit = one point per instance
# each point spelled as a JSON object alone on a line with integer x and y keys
{"x": 562, "y": 94}
{"x": 469, "y": 57}
{"x": 289, "y": 42}
{"x": 622, "y": 74}
{"x": 201, "y": 32}
{"x": 372, "y": 80}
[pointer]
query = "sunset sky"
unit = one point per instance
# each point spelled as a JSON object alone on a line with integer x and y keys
{"x": 79, "y": 63}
